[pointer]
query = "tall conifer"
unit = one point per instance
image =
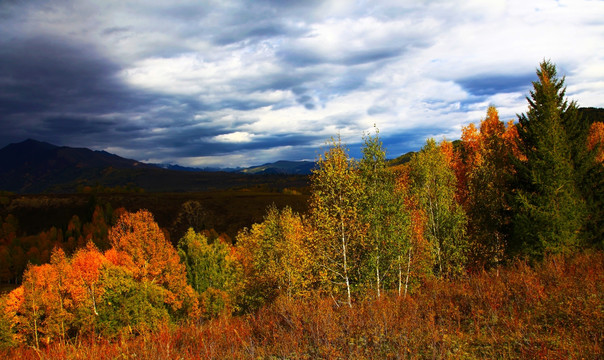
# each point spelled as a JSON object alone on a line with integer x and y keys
{"x": 549, "y": 208}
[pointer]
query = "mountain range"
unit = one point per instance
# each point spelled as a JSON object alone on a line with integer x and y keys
{"x": 36, "y": 167}
{"x": 33, "y": 166}
{"x": 279, "y": 167}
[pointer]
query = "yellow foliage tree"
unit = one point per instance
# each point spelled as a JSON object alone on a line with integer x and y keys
{"x": 275, "y": 257}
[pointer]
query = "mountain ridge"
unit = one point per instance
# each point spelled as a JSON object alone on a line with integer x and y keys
{"x": 33, "y": 166}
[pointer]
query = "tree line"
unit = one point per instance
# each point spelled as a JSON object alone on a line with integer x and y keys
{"x": 506, "y": 190}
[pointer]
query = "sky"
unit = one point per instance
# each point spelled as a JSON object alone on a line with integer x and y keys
{"x": 241, "y": 83}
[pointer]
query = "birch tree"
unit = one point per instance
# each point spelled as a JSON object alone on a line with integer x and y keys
{"x": 383, "y": 212}
{"x": 433, "y": 183}
{"x": 335, "y": 209}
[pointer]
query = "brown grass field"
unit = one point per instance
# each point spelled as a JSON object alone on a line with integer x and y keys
{"x": 552, "y": 311}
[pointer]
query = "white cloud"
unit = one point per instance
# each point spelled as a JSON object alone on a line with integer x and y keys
{"x": 243, "y": 159}
{"x": 235, "y": 137}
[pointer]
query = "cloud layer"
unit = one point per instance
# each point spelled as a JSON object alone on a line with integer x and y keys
{"x": 237, "y": 83}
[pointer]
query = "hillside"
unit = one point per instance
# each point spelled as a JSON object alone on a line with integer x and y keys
{"x": 37, "y": 167}
{"x": 34, "y": 166}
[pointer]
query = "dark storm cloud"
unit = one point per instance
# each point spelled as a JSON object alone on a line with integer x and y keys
{"x": 489, "y": 84}
{"x": 54, "y": 74}
{"x": 197, "y": 142}
{"x": 65, "y": 93}
{"x": 40, "y": 77}
{"x": 302, "y": 58}
{"x": 58, "y": 76}
{"x": 78, "y": 125}
{"x": 68, "y": 92}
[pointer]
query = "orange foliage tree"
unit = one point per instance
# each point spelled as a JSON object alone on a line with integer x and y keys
{"x": 85, "y": 288}
{"x": 155, "y": 259}
{"x": 58, "y": 297}
{"x": 484, "y": 174}
{"x": 419, "y": 258}
{"x": 596, "y": 140}
{"x": 138, "y": 284}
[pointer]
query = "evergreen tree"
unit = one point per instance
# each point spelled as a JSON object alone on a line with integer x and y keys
{"x": 588, "y": 171}
{"x": 549, "y": 209}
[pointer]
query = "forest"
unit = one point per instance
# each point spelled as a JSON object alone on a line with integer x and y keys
{"x": 487, "y": 247}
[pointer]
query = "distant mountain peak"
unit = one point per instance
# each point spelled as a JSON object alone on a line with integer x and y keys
{"x": 33, "y": 143}
{"x": 33, "y": 165}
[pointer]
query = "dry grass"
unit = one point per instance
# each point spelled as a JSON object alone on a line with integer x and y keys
{"x": 553, "y": 311}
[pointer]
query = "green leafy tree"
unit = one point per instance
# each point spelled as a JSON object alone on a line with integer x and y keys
{"x": 385, "y": 215}
{"x": 433, "y": 184}
{"x": 211, "y": 271}
{"x": 129, "y": 306}
{"x": 550, "y": 211}
{"x": 6, "y": 334}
